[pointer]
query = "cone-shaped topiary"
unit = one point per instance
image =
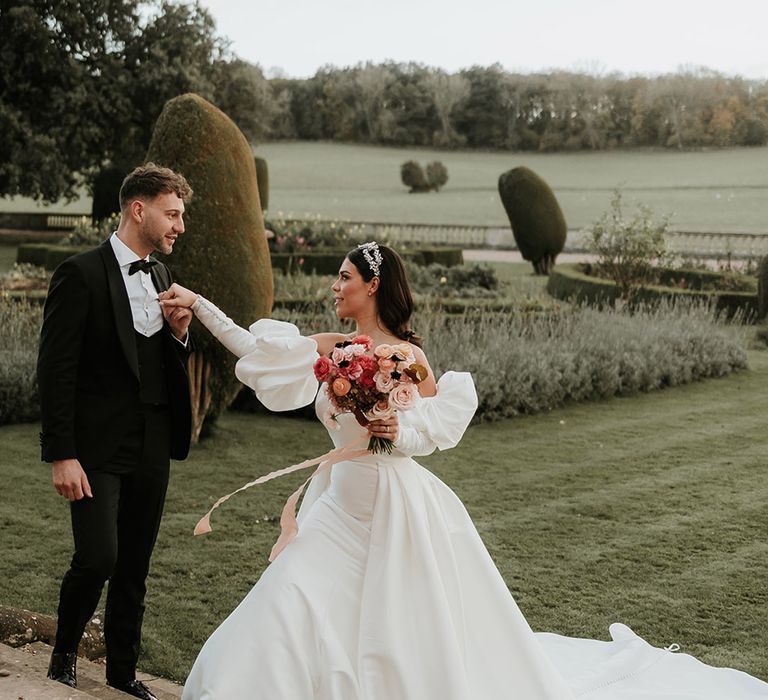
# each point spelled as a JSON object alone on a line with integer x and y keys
{"x": 538, "y": 224}
{"x": 762, "y": 289}
{"x": 223, "y": 255}
{"x": 262, "y": 180}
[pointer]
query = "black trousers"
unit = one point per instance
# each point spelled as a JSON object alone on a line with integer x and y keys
{"x": 114, "y": 534}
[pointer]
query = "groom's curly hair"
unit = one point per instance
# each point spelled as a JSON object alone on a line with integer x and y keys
{"x": 149, "y": 180}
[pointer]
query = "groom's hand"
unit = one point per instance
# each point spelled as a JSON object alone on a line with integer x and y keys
{"x": 178, "y": 319}
{"x": 70, "y": 480}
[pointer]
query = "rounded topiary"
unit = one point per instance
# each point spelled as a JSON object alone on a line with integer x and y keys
{"x": 437, "y": 175}
{"x": 538, "y": 224}
{"x": 413, "y": 176}
{"x": 223, "y": 255}
{"x": 262, "y": 180}
{"x": 762, "y": 289}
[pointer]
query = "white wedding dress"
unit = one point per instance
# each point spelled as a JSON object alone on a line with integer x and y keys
{"x": 388, "y": 593}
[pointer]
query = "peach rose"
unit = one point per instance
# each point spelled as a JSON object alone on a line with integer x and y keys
{"x": 341, "y": 386}
{"x": 403, "y": 396}
{"x": 386, "y": 365}
{"x": 383, "y": 350}
{"x": 384, "y": 382}
{"x": 380, "y": 410}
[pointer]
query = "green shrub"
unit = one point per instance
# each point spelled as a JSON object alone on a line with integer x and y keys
{"x": 413, "y": 177}
{"x": 576, "y": 282}
{"x": 262, "y": 181}
{"x": 437, "y": 175}
{"x": 224, "y": 254}
{"x": 462, "y": 281}
{"x": 537, "y": 221}
{"x": 528, "y": 363}
{"x": 20, "y": 321}
{"x": 762, "y": 288}
{"x": 88, "y": 234}
{"x": 628, "y": 250}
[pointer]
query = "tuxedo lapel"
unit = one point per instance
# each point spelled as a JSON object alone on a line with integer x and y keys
{"x": 160, "y": 277}
{"x": 121, "y": 307}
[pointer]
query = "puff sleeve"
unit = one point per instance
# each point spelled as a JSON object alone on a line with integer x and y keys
{"x": 438, "y": 422}
{"x": 275, "y": 359}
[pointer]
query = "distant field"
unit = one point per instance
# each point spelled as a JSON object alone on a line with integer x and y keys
{"x": 719, "y": 190}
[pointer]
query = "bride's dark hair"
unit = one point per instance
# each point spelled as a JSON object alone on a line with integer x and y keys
{"x": 393, "y": 297}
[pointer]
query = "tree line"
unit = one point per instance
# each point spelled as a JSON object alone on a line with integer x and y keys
{"x": 488, "y": 107}
{"x": 82, "y": 84}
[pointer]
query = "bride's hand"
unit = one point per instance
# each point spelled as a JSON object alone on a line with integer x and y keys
{"x": 177, "y": 296}
{"x": 387, "y": 428}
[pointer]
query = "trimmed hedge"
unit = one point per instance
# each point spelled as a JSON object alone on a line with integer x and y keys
{"x": 325, "y": 262}
{"x": 46, "y": 255}
{"x": 572, "y": 281}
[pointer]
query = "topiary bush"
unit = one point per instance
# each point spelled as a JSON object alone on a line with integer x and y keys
{"x": 762, "y": 289}
{"x": 223, "y": 254}
{"x": 538, "y": 224}
{"x": 412, "y": 175}
{"x": 437, "y": 175}
{"x": 262, "y": 182}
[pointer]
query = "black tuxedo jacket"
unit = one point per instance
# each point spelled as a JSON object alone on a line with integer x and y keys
{"x": 88, "y": 370}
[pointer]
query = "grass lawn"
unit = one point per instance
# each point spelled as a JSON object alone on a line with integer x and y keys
{"x": 716, "y": 190}
{"x": 648, "y": 510}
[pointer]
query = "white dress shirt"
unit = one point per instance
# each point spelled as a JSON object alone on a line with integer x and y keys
{"x": 145, "y": 307}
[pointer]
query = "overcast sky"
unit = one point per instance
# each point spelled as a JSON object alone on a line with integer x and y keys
{"x": 597, "y": 36}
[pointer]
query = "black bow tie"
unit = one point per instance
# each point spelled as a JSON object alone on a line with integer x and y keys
{"x": 143, "y": 265}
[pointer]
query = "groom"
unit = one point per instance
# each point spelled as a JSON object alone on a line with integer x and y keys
{"x": 115, "y": 409}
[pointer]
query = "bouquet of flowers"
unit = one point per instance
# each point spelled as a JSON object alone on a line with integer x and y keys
{"x": 370, "y": 387}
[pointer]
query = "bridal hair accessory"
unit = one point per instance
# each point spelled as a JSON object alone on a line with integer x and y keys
{"x": 372, "y": 256}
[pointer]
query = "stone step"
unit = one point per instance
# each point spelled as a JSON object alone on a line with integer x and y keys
{"x": 22, "y": 677}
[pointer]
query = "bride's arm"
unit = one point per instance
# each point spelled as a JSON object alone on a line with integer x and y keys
{"x": 237, "y": 340}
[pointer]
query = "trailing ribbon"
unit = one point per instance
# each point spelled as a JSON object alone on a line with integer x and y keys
{"x": 289, "y": 527}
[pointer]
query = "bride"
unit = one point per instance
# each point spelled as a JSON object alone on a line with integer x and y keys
{"x": 387, "y": 592}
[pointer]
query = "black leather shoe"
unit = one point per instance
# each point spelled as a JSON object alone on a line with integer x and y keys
{"x": 136, "y": 689}
{"x": 62, "y": 668}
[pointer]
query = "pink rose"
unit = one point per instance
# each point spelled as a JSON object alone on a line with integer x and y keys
{"x": 384, "y": 382}
{"x": 338, "y": 355}
{"x": 354, "y": 370}
{"x": 322, "y": 368}
{"x": 403, "y": 396}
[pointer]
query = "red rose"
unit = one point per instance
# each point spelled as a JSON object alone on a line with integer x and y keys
{"x": 322, "y": 368}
